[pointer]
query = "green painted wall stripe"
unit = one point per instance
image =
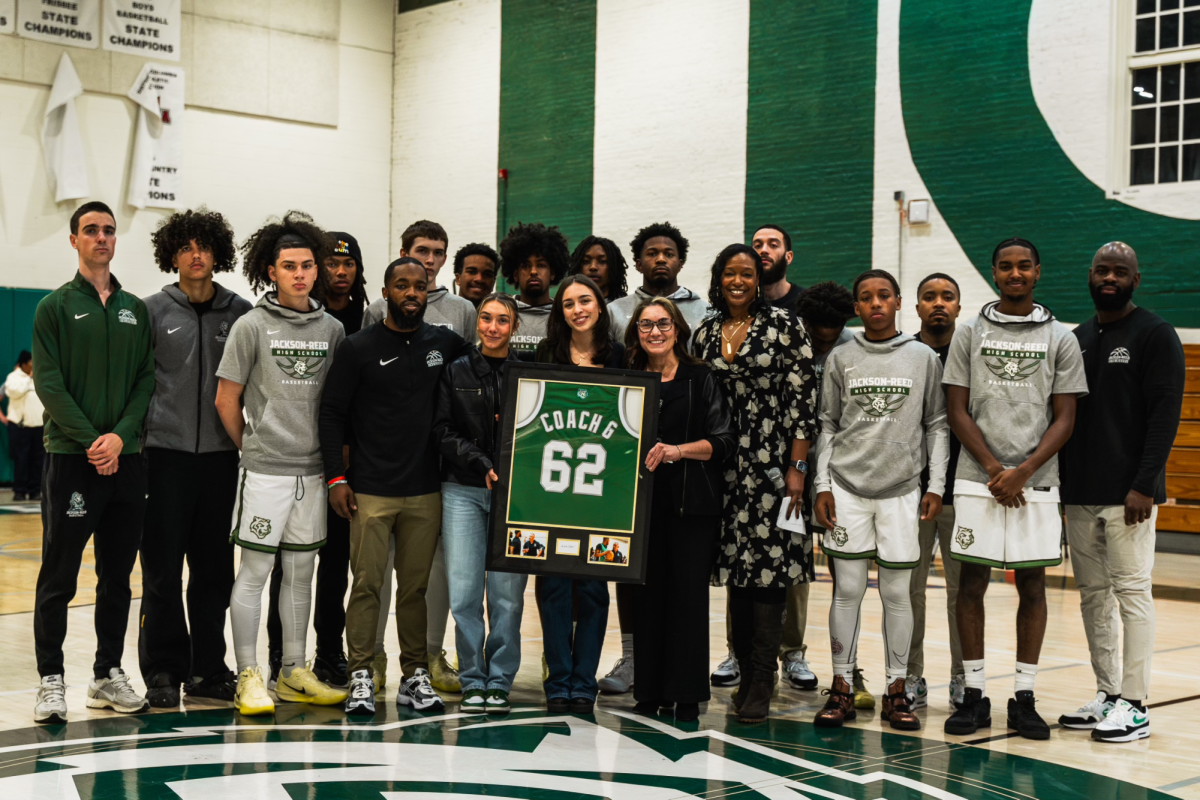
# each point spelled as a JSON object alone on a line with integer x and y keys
{"x": 413, "y": 5}
{"x": 810, "y": 132}
{"x": 995, "y": 170}
{"x": 548, "y": 111}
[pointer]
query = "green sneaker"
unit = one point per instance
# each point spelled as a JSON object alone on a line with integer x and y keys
{"x": 497, "y": 702}
{"x": 474, "y": 702}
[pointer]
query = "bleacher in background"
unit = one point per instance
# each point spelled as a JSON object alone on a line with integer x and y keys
{"x": 1181, "y": 514}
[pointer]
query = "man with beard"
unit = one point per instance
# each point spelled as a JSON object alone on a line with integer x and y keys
{"x": 774, "y": 247}
{"x": 1113, "y": 480}
{"x": 659, "y": 253}
{"x": 938, "y": 308}
{"x": 533, "y": 257}
{"x": 475, "y": 271}
{"x": 381, "y": 389}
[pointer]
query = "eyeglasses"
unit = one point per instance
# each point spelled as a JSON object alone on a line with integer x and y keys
{"x": 666, "y": 324}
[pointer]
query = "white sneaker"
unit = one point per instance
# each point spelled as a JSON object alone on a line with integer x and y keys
{"x": 417, "y": 692}
{"x": 620, "y": 679}
{"x": 1089, "y": 715}
{"x": 1124, "y": 723}
{"x": 917, "y": 691}
{"x": 115, "y": 692}
{"x": 727, "y": 673}
{"x": 360, "y": 700}
{"x": 51, "y": 705}
{"x": 797, "y": 672}
{"x": 958, "y": 690}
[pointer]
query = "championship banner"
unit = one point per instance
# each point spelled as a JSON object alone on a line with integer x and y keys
{"x": 155, "y": 169}
{"x": 573, "y": 498}
{"x": 8, "y": 16}
{"x": 147, "y": 28}
{"x": 75, "y": 23}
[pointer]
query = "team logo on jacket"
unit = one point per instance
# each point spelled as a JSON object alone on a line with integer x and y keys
{"x": 76, "y": 509}
{"x": 1013, "y": 361}
{"x": 223, "y": 332}
{"x": 879, "y": 397}
{"x": 260, "y": 527}
{"x": 965, "y": 537}
{"x": 433, "y": 358}
{"x": 301, "y": 361}
{"x": 840, "y": 536}
{"x": 126, "y": 316}
{"x": 1119, "y": 356}
{"x": 583, "y": 394}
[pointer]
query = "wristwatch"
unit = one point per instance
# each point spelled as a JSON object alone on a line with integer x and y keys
{"x": 801, "y": 465}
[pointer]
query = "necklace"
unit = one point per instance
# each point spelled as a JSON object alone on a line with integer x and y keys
{"x": 727, "y": 339}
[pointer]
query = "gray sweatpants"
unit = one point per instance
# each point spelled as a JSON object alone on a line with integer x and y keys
{"x": 934, "y": 531}
{"x": 1112, "y": 562}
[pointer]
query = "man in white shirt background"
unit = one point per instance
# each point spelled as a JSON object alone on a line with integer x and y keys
{"x": 25, "y": 431}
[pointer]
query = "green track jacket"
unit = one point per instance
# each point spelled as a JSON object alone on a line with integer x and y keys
{"x": 93, "y": 366}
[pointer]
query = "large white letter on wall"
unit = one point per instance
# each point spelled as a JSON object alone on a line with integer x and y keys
{"x": 154, "y": 173}
{"x": 62, "y": 143}
{"x": 71, "y": 22}
{"x": 143, "y": 27}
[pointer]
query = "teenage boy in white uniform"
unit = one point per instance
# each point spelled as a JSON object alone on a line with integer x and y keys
{"x": 883, "y": 419}
{"x": 276, "y": 359}
{"x": 1012, "y": 379}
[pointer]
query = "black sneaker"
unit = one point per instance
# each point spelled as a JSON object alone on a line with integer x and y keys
{"x": 582, "y": 705}
{"x": 162, "y": 691}
{"x": 275, "y": 662}
{"x": 973, "y": 713}
{"x": 1024, "y": 719}
{"x": 331, "y": 668}
{"x": 222, "y": 686}
{"x": 35, "y": 497}
{"x": 18, "y": 497}
{"x": 558, "y": 705}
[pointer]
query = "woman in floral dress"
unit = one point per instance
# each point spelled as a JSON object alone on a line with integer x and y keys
{"x": 764, "y": 360}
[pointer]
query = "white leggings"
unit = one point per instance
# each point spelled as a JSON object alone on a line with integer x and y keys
{"x": 295, "y": 604}
{"x": 845, "y": 617}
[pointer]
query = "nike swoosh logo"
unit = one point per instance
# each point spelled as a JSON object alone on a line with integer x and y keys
{"x": 383, "y": 363}
{"x": 272, "y": 333}
{"x": 980, "y": 669}
{"x": 81, "y": 316}
{"x": 173, "y": 330}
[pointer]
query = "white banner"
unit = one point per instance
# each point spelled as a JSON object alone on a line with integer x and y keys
{"x": 62, "y": 142}
{"x": 75, "y": 23}
{"x": 155, "y": 171}
{"x": 8, "y": 16}
{"x": 143, "y": 28}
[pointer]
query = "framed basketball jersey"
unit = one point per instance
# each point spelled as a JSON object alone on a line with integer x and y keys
{"x": 574, "y": 494}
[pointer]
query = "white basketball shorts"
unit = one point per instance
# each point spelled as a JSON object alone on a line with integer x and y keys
{"x": 279, "y": 511}
{"x": 986, "y": 532}
{"x": 883, "y": 529}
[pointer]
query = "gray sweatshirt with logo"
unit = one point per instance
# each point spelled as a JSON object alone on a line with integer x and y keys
{"x": 187, "y": 350}
{"x": 1013, "y": 367}
{"x": 693, "y": 306}
{"x": 532, "y": 329}
{"x": 282, "y": 357}
{"x": 883, "y": 417}
{"x": 442, "y": 308}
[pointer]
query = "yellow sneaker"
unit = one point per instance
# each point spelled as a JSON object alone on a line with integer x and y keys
{"x": 304, "y": 687}
{"x": 251, "y": 696}
{"x": 442, "y": 676}
{"x": 379, "y": 672}
{"x": 545, "y": 669}
{"x": 862, "y": 698}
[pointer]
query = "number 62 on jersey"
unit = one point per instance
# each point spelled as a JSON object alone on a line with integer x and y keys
{"x": 574, "y": 493}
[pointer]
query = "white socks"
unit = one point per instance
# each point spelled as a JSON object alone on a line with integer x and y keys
{"x": 974, "y": 676}
{"x": 1026, "y": 674}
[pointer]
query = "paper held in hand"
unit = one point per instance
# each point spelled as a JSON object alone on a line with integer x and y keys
{"x": 795, "y": 523}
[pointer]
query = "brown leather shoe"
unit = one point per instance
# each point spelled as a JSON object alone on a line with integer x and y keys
{"x": 895, "y": 708}
{"x": 840, "y": 706}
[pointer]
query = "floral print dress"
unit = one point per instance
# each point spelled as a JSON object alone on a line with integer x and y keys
{"x": 771, "y": 387}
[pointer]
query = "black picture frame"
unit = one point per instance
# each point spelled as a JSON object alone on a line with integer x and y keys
{"x": 558, "y": 556}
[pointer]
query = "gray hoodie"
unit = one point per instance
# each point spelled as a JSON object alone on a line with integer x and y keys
{"x": 282, "y": 357}
{"x": 532, "y": 328}
{"x": 443, "y": 308}
{"x": 187, "y": 351}
{"x": 883, "y": 415}
{"x": 1013, "y": 367}
{"x": 693, "y": 307}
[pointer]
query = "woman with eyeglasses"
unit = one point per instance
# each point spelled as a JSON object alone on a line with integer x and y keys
{"x": 695, "y": 436}
{"x": 764, "y": 360}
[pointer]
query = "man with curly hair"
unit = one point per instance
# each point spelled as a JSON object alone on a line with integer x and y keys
{"x": 533, "y": 258}
{"x": 193, "y": 465}
{"x": 277, "y": 358}
{"x": 659, "y": 253}
{"x": 475, "y": 267}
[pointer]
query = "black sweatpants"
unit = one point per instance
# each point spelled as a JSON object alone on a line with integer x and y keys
{"x": 188, "y": 515}
{"x": 329, "y": 606}
{"x": 28, "y": 457}
{"x": 79, "y": 502}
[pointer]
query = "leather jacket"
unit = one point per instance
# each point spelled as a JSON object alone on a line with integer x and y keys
{"x": 464, "y": 417}
{"x": 698, "y": 487}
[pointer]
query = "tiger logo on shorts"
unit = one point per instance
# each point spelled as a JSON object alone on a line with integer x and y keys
{"x": 840, "y": 536}
{"x": 965, "y": 537}
{"x": 260, "y": 527}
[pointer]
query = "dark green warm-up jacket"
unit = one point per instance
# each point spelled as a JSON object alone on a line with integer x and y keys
{"x": 93, "y": 366}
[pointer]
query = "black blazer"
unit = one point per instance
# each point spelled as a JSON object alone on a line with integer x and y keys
{"x": 698, "y": 487}
{"x": 464, "y": 414}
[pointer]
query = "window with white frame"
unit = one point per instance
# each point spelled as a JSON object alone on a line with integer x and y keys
{"x": 1164, "y": 122}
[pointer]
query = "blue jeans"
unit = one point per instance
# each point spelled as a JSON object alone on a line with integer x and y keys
{"x": 573, "y": 661}
{"x": 490, "y": 664}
